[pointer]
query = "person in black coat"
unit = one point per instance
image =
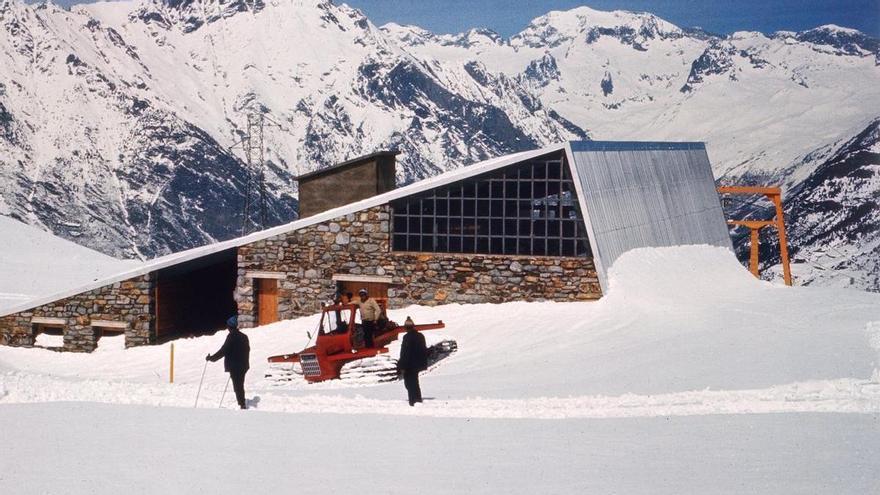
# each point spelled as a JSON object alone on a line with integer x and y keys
{"x": 235, "y": 352}
{"x": 413, "y": 359}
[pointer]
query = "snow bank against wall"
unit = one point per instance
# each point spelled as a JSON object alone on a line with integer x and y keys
{"x": 675, "y": 319}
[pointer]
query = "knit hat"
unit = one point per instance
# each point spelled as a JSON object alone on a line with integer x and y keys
{"x": 232, "y": 322}
{"x": 409, "y": 322}
{"x": 363, "y": 291}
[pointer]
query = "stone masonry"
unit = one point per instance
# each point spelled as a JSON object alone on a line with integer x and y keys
{"x": 359, "y": 244}
{"x": 128, "y": 301}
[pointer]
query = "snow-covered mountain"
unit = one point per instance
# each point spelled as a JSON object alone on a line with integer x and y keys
{"x": 119, "y": 122}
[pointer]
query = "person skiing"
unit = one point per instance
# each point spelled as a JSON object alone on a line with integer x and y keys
{"x": 370, "y": 314}
{"x": 236, "y": 353}
{"x": 413, "y": 359}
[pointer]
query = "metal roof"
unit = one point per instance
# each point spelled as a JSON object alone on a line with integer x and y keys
{"x": 632, "y": 194}
{"x": 645, "y": 194}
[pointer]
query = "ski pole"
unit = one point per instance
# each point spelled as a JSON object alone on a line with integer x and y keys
{"x": 224, "y": 392}
{"x": 200, "y": 384}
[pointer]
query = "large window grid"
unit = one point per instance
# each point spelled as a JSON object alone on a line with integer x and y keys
{"x": 530, "y": 209}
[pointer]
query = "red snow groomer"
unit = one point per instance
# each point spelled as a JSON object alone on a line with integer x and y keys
{"x": 339, "y": 350}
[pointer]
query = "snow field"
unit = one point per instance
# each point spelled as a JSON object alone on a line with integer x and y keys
{"x": 136, "y": 449}
{"x": 683, "y": 331}
{"x": 690, "y": 376}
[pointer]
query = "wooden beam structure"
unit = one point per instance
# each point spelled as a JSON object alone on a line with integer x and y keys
{"x": 774, "y": 194}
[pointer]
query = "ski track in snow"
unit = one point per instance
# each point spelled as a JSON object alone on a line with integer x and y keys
{"x": 824, "y": 396}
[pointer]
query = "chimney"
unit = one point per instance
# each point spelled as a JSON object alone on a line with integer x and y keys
{"x": 346, "y": 182}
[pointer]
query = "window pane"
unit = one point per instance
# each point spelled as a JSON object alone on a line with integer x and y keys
{"x": 553, "y": 170}
{"x": 470, "y": 190}
{"x": 442, "y": 226}
{"x": 470, "y": 207}
{"x": 400, "y": 243}
{"x": 553, "y": 247}
{"x": 428, "y": 243}
{"x": 483, "y": 245}
{"x": 442, "y": 206}
{"x": 540, "y": 170}
{"x": 414, "y": 226}
{"x": 483, "y": 189}
{"x": 454, "y": 207}
{"x": 525, "y": 227}
{"x": 510, "y": 245}
{"x": 552, "y": 229}
{"x": 497, "y": 208}
{"x": 427, "y": 225}
{"x": 441, "y": 245}
{"x": 455, "y": 192}
{"x": 538, "y": 246}
{"x": 470, "y": 226}
{"x": 399, "y": 223}
{"x": 414, "y": 242}
{"x": 483, "y": 226}
{"x": 496, "y": 245}
{"x": 496, "y": 226}
{"x": 468, "y": 244}
{"x": 510, "y": 228}
{"x": 567, "y": 228}
{"x": 539, "y": 228}
{"x": 483, "y": 208}
{"x": 497, "y": 189}
{"x": 540, "y": 190}
{"x": 428, "y": 206}
{"x": 455, "y": 244}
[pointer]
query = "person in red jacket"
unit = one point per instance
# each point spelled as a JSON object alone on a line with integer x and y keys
{"x": 236, "y": 358}
{"x": 413, "y": 359}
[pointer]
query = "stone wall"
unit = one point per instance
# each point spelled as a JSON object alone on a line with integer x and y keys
{"x": 359, "y": 244}
{"x": 129, "y": 301}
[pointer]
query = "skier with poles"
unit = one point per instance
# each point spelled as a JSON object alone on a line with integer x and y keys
{"x": 236, "y": 352}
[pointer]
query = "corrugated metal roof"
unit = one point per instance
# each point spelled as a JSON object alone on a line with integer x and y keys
{"x": 645, "y": 194}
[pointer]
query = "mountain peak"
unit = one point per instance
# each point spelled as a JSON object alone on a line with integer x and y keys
{"x": 846, "y": 41}
{"x": 632, "y": 28}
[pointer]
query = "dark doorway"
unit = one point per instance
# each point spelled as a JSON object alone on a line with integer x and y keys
{"x": 196, "y": 297}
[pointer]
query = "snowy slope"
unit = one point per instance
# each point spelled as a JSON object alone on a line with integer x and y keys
{"x": 666, "y": 385}
{"x": 35, "y": 263}
{"x": 677, "y": 323}
{"x": 140, "y": 449}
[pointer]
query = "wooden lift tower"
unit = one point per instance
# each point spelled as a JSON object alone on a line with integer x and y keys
{"x": 774, "y": 194}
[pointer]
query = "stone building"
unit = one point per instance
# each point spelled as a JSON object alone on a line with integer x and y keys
{"x": 537, "y": 225}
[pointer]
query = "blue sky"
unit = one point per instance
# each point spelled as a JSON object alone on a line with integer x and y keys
{"x": 719, "y": 16}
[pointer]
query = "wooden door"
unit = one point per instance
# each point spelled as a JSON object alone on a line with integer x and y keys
{"x": 267, "y": 300}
